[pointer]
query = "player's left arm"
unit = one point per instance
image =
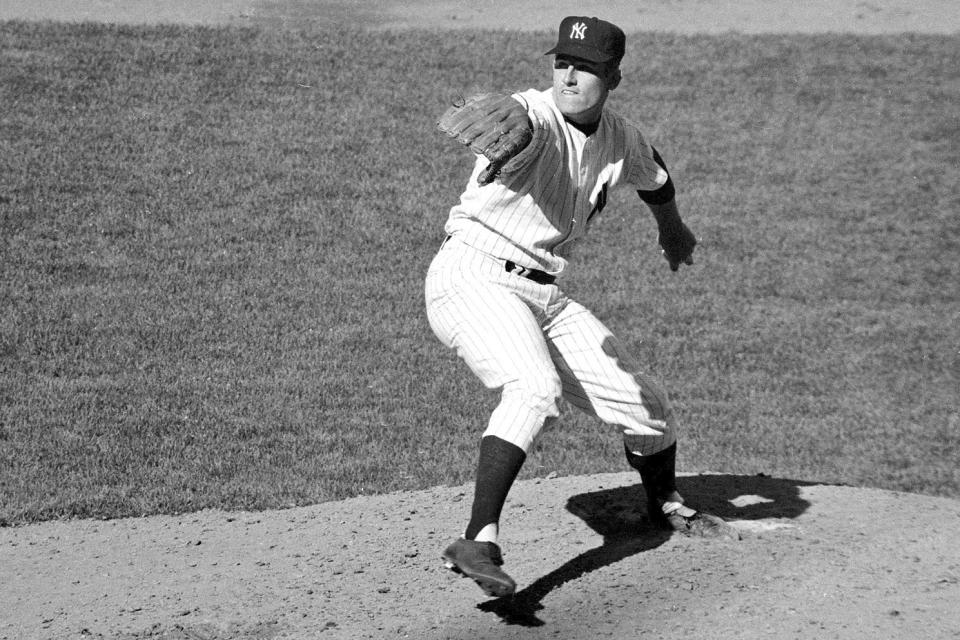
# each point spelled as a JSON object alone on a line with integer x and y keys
{"x": 494, "y": 125}
{"x": 675, "y": 238}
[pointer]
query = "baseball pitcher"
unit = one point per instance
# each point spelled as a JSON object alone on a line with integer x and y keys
{"x": 546, "y": 163}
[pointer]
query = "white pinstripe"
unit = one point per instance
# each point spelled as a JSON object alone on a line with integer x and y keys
{"x": 602, "y": 379}
{"x": 538, "y": 345}
{"x": 532, "y": 215}
{"x": 529, "y": 339}
{"x": 492, "y": 319}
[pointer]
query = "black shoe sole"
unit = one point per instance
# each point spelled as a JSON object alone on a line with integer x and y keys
{"x": 490, "y": 586}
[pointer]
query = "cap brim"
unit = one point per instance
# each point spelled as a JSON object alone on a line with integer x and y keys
{"x": 586, "y": 53}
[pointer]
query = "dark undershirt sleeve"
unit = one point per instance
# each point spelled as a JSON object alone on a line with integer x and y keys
{"x": 666, "y": 192}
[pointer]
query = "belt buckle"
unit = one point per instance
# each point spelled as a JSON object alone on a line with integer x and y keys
{"x": 535, "y": 275}
{"x": 516, "y": 269}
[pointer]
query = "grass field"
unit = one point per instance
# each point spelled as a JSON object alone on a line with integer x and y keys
{"x": 214, "y": 240}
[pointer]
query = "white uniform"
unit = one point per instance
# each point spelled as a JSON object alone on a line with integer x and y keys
{"x": 527, "y": 337}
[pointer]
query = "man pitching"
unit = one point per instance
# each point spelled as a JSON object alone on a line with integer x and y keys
{"x": 547, "y": 161}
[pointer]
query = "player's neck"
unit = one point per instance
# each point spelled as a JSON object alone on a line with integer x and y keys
{"x": 587, "y": 129}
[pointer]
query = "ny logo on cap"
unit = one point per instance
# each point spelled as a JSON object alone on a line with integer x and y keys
{"x": 578, "y": 32}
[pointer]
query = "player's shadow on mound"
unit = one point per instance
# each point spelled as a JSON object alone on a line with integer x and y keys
{"x": 620, "y": 517}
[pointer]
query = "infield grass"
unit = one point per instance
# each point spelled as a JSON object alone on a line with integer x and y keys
{"x": 214, "y": 240}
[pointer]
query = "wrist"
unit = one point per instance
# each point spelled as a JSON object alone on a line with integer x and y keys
{"x": 666, "y": 214}
{"x": 670, "y": 226}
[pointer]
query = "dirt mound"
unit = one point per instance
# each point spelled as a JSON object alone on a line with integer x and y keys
{"x": 815, "y": 561}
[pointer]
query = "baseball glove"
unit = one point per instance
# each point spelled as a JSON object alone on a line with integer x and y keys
{"x": 491, "y": 124}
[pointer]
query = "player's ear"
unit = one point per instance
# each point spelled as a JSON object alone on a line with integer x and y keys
{"x": 613, "y": 79}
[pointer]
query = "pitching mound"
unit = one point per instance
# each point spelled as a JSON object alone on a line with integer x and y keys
{"x": 815, "y": 561}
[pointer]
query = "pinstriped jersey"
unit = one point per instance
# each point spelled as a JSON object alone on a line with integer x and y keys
{"x": 533, "y": 214}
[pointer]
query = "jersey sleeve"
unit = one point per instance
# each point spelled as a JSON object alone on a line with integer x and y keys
{"x": 641, "y": 170}
{"x": 540, "y": 135}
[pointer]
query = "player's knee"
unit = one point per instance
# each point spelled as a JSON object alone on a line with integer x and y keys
{"x": 539, "y": 392}
{"x": 648, "y": 424}
{"x": 654, "y": 399}
{"x": 523, "y": 411}
{"x": 649, "y": 441}
{"x": 646, "y": 409}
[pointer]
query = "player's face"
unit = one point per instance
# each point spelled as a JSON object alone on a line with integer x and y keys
{"x": 580, "y": 87}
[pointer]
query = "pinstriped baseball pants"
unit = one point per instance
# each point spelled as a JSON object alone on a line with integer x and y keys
{"x": 537, "y": 345}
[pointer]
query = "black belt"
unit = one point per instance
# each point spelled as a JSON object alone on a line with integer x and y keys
{"x": 540, "y": 277}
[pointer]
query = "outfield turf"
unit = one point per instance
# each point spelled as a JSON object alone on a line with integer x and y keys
{"x": 214, "y": 240}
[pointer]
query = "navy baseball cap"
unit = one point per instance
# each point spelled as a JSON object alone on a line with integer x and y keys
{"x": 591, "y": 39}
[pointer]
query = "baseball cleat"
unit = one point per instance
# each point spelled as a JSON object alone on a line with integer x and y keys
{"x": 480, "y": 561}
{"x": 701, "y": 525}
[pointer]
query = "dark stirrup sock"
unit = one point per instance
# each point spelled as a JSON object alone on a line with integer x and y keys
{"x": 658, "y": 474}
{"x": 497, "y": 468}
